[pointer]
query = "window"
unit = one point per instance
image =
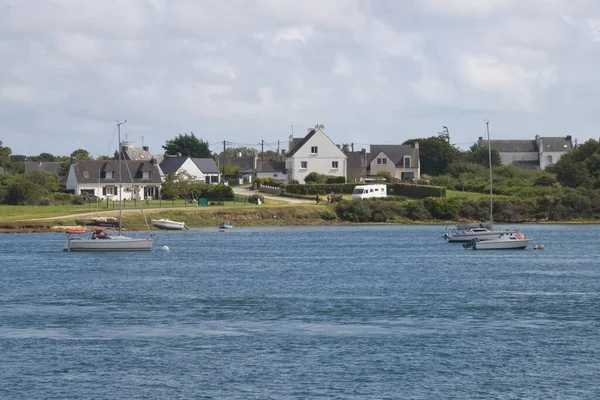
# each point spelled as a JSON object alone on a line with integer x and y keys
{"x": 274, "y": 175}
{"x": 548, "y": 159}
{"x": 86, "y": 174}
{"x": 381, "y": 161}
{"x": 314, "y": 150}
{"x": 109, "y": 174}
{"x": 334, "y": 164}
{"x": 110, "y": 190}
{"x": 303, "y": 164}
{"x": 146, "y": 175}
{"x": 406, "y": 162}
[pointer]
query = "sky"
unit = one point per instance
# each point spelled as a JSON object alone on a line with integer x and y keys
{"x": 370, "y": 71}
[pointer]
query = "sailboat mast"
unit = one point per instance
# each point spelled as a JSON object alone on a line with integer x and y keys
{"x": 487, "y": 126}
{"x": 120, "y": 180}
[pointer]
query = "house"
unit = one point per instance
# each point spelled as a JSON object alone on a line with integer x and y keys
{"x": 357, "y": 165}
{"x": 401, "y": 161}
{"x": 315, "y": 152}
{"x": 535, "y": 154}
{"x": 246, "y": 164}
{"x": 271, "y": 168}
{"x": 50, "y": 167}
{"x": 199, "y": 169}
{"x": 101, "y": 178}
{"x": 130, "y": 152}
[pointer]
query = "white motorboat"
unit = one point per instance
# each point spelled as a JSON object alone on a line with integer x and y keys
{"x": 99, "y": 240}
{"x": 509, "y": 241}
{"x": 168, "y": 224}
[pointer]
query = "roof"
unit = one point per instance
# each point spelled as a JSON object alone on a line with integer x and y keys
{"x": 171, "y": 165}
{"x": 206, "y": 165}
{"x": 136, "y": 153}
{"x": 357, "y": 159}
{"x": 396, "y": 152}
{"x": 271, "y": 165}
{"x": 91, "y": 171}
{"x": 511, "y": 146}
{"x": 556, "y": 143}
{"x": 245, "y": 163}
{"x": 51, "y": 167}
{"x": 297, "y": 143}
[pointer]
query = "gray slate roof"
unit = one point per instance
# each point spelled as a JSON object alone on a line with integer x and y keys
{"x": 136, "y": 153}
{"x": 171, "y": 165}
{"x": 511, "y": 146}
{"x": 356, "y": 159}
{"x": 297, "y": 143}
{"x": 91, "y": 171}
{"x": 50, "y": 167}
{"x": 206, "y": 165}
{"x": 245, "y": 163}
{"x": 556, "y": 143}
{"x": 271, "y": 165}
{"x": 395, "y": 152}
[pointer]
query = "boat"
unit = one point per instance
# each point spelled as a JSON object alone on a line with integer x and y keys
{"x": 100, "y": 241}
{"x": 509, "y": 241}
{"x": 482, "y": 231}
{"x": 74, "y": 231}
{"x": 168, "y": 224}
{"x": 104, "y": 222}
{"x": 225, "y": 225}
{"x": 467, "y": 232}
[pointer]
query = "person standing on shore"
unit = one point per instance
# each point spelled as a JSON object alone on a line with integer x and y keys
{"x": 317, "y": 199}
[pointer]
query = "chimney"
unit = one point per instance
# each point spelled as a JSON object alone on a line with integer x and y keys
{"x": 352, "y": 146}
{"x": 146, "y": 148}
{"x": 363, "y": 152}
{"x": 73, "y": 160}
{"x": 178, "y": 154}
{"x": 569, "y": 138}
{"x": 481, "y": 138}
{"x": 153, "y": 161}
{"x": 416, "y": 145}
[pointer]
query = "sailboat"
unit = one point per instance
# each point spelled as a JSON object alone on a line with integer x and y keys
{"x": 482, "y": 231}
{"x": 100, "y": 241}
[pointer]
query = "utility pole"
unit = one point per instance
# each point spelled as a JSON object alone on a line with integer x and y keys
{"x": 352, "y": 146}
{"x": 278, "y": 149}
{"x": 262, "y": 149}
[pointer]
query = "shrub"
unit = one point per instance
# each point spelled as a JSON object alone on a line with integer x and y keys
{"x": 416, "y": 211}
{"x": 335, "y": 179}
{"x": 255, "y": 197}
{"x": 545, "y": 180}
{"x": 315, "y": 177}
{"x": 328, "y": 215}
{"x": 78, "y": 200}
{"x": 45, "y": 201}
{"x": 444, "y": 209}
{"x": 400, "y": 189}
{"x": 355, "y": 210}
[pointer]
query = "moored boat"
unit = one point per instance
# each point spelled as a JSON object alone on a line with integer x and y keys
{"x": 468, "y": 232}
{"x": 225, "y": 225}
{"x": 103, "y": 222}
{"x": 509, "y": 241}
{"x": 168, "y": 224}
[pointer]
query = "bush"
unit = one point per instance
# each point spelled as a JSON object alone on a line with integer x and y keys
{"x": 315, "y": 177}
{"x": 416, "y": 211}
{"x": 444, "y": 209}
{"x": 255, "y": 197}
{"x": 400, "y": 189}
{"x": 335, "y": 179}
{"x": 355, "y": 210}
{"x": 44, "y": 201}
{"x": 78, "y": 200}
{"x": 328, "y": 215}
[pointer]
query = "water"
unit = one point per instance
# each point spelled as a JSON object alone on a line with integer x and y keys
{"x": 293, "y": 313}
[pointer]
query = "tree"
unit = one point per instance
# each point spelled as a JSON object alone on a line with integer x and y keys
{"x": 45, "y": 157}
{"x": 435, "y": 154}
{"x": 479, "y": 155}
{"x": 386, "y": 175}
{"x": 81, "y": 154}
{"x": 231, "y": 170}
{"x": 115, "y": 156}
{"x": 5, "y": 153}
{"x": 188, "y": 145}
{"x": 344, "y": 147}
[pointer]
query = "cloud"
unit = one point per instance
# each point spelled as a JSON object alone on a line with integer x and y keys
{"x": 244, "y": 71}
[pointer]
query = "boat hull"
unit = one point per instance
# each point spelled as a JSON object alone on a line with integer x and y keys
{"x": 467, "y": 237}
{"x": 502, "y": 244}
{"x": 168, "y": 224}
{"x": 113, "y": 244}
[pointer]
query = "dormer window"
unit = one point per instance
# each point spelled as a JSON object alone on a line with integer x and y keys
{"x": 314, "y": 150}
{"x": 145, "y": 174}
{"x": 406, "y": 162}
{"x": 86, "y": 174}
{"x": 109, "y": 174}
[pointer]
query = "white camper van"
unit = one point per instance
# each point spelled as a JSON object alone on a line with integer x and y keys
{"x": 369, "y": 191}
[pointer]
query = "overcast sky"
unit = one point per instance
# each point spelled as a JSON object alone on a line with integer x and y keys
{"x": 371, "y": 71}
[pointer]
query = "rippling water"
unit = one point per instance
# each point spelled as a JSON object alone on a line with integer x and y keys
{"x": 322, "y": 312}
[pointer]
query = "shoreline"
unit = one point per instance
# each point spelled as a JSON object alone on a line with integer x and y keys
{"x": 56, "y": 227}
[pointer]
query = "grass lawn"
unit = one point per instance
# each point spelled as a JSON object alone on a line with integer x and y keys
{"x": 472, "y": 195}
{"x": 16, "y": 213}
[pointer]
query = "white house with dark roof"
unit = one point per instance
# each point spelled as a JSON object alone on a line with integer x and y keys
{"x": 199, "y": 169}
{"x": 532, "y": 154}
{"x": 401, "y": 161}
{"x": 101, "y": 178}
{"x": 315, "y": 152}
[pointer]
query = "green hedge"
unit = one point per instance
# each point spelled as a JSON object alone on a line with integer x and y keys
{"x": 398, "y": 189}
